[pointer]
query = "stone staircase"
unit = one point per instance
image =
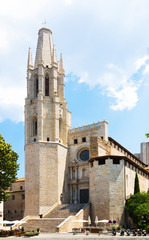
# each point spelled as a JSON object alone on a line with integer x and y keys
{"x": 45, "y": 224}
{"x": 65, "y": 210}
{"x": 52, "y": 219}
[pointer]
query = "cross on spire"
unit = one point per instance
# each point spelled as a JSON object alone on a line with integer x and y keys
{"x": 44, "y": 23}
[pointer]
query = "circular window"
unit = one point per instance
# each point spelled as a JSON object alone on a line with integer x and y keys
{"x": 84, "y": 155}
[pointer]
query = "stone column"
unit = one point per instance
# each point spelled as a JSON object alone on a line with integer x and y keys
{"x": 40, "y": 117}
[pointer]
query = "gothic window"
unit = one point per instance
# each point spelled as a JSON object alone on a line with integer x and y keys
{"x": 34, "y": 126}
{"x": 47, "y": 85}
{"x": 36, "y": 86}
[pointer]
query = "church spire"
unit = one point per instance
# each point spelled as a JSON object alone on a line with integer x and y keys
{"x": 54, "y": 60}
{"x": 44, "y": 46}
{"x": 29, "y": 64}
{"x": 61, "y": 69}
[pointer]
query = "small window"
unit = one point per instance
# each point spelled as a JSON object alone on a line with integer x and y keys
{"x": 48, "y": 139}
{"x": 13, "y": 197}
{"x": 116, "y": 161}
{"x": 34, "y": 139}
{"x": 21, "y": 211}
{"x": 75, "y": 141}
{"x": 15, "y": 211}
{"x": 8, "y": 211}
{"x": 101, "y": 162}
{"x": 36, "y": 86}
{"x": 23, "y": 196}
{"x": 21, "y": 187}
{"x": 102, "y": 137}
{"x": 35, "y": 126}
{"x": 84, "y": 139}
{"x": 47, "y": 85}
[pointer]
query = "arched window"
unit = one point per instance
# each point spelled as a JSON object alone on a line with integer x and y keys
{"x": 36, "y": 85}
{"x": 47, "y": 85}
{"x": 34, "y": 126}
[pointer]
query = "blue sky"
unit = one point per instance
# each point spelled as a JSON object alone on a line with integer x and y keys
{"x": 105, "y": 47}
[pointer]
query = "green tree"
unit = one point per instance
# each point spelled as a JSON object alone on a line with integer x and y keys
{"x": 138, "y": 208}
{"x": 136, "y": 187}
{"x": 147, "y": 135}
{"x": 8, "y": 167}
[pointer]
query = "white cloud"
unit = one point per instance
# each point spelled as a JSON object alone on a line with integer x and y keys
{"x": 117, "y": 85}
{"x": 68, "y": 2}
{"x": 141, "y": 61}
{"x": 12, "y": 102}
{"x": 90, "y": 35}
{"x": 126, "y": 98}
{"x": 20, "y": 9}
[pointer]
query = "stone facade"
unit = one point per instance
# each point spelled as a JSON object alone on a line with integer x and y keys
{"x": 107, "y": 193}
{"x": 57, "y": 165}
{"x": 15, "y": 205}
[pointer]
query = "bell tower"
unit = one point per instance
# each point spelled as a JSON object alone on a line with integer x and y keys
{"x": 47, "y": 121}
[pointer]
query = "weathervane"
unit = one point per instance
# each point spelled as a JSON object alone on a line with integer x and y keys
{"x": 44, "y": 23}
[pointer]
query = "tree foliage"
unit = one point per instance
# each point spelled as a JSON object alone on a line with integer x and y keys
{"x": 136, "y": 187}
{"x": 8, "y": 167}
{"x": 147, "y": 135}
{"x": 138, "y": 208}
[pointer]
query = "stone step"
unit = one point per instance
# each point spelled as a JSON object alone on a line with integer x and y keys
{"x": 53, "y": 219}
{"x": 65, "y": 210}
{"x": 45, "y": 224}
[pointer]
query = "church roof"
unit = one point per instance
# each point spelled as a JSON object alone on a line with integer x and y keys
{"x": 20, "y": 179}
{"x": 128, "y": 153}
{"x": 120, "y": 157}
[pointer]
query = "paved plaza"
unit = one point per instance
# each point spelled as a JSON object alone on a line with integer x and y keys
{"x": 57, "y": 236}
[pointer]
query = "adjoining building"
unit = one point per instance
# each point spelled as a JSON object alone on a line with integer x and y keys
{"x": 144, "y": 154}
{"x": 15, "y": 205}
{"x": 70, "y": 166}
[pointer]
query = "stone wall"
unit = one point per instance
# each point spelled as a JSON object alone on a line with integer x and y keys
{"x": 32, "y": 179}
{"x": 130, "y": 173}
{"x": 48, "y": 175}
{"x": 107, "y": 194}
{"x": 45, "y": 170}
{"x": 62, "y": 157}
